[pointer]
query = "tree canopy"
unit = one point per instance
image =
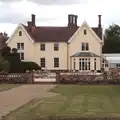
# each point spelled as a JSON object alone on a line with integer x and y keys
{"x": 112, "y": 39}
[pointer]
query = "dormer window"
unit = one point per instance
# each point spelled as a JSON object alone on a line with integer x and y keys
{"x": 20, "y": 33}
{"x": 85, "y": 32}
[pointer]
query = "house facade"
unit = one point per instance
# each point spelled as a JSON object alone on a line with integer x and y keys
{"x": 71, "y": 47}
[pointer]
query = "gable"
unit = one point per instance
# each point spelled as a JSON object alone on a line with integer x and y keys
{"x": 19, "y": 27}
{"x": 91, "y": 31}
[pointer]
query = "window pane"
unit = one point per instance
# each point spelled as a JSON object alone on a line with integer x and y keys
{"x": 85, "y": 32}
{"x": 56, "y": 47}
{"x": 22, "y": 56}
{"x": 18, "y": 46}
{"x": 42, "y": 62}
{"x": 83, "y": 46}
{"x": 22, "y": 46}
{"x": 87, "y": 47}
{"x": 42, "y": 47}
{"x": 20, "y": 33}
{"x": 56, "y": 62}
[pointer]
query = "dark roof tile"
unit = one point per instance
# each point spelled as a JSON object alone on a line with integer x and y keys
{"x": 54, "y": 34}
{"x": 85, "y": 54}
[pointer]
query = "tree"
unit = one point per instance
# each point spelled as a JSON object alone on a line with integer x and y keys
{"x": 112, "y": 39}
{"x": 6, "y": 51}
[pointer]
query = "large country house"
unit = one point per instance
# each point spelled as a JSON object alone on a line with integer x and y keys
{"x": 71, "y": 47}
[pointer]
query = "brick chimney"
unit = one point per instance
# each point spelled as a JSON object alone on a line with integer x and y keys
{"x": 75, "y": 17}
{"x": 99, "y": 27}
{"x": 33, "y": 19}
{"x": 29, "y": 24}
{"x": 72, "y": 20}
{"x": 99, "y": 21}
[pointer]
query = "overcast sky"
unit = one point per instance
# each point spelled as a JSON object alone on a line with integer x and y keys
{"x": 54, "y": 12}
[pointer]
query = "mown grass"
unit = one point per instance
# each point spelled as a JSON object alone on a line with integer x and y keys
{"x": 4, "y": 87}
{"x": 73, "y": 101}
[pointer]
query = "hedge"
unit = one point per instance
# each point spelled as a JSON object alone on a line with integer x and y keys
{"x": 30, "y": 66}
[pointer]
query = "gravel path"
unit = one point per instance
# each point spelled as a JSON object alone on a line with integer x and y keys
{"x": 16, "y": 97}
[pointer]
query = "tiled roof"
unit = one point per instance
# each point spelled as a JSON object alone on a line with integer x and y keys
{"x": 85, "y": 54}
{"x": 55, "y": 34}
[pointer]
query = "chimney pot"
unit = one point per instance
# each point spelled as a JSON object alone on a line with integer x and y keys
{"x": 99, "y": 21}
{"x": 72, "y": 20}
{"x": 29, "y": 24}
{"x": 33, "y": 20}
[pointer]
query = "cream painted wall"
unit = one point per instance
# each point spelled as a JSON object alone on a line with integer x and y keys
{"x": 49, "y": 55}
{"x": 75, "y": 45}
{"x": 28, "y": 45}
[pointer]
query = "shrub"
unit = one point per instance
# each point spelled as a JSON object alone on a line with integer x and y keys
{"x": 15, "y": 62}
{"x": 5, "y": 66}
{"x": 5, "y": 51}
{"x": 30, "y": 66}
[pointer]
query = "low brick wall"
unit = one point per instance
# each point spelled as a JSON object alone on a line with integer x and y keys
{"x": 88, "y": 78}
{"x": 14, "y": 78}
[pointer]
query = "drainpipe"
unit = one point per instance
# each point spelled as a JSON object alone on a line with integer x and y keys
{"x": 67, "y": 56}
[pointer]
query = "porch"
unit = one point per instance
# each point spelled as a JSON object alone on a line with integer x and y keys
{"x": 85, "y": 61}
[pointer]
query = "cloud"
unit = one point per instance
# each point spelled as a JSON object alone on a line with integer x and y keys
{"x": 59, "y": 2}
{"x": 12, "y": 12}
{"x": 50, "y": 2}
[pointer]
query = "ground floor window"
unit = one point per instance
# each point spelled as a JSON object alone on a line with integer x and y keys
{"x": 22, "y": 56}
{"x": 84, "y": 64}
{"x": 56, "y": 62}
{"x": 95, "y": 64}
{"x": 42, "y": 62}
{"x": 118, "y": 65}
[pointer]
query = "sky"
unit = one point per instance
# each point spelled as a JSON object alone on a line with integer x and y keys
{"x": 55, "y": 12}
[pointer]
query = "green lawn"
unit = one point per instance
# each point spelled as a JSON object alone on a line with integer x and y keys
{"x": 74, "y": 101}
{"x": 4, "y": 87}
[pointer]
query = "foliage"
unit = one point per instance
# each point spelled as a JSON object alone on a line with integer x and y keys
{"x": 30, "y": 66}
{"x": 15, "y": 62}
{"x": 14, "y": 50}
{"x": 6, "y": 51}
{"x": 112, "y": 39}
{"x": 4, "y": 65}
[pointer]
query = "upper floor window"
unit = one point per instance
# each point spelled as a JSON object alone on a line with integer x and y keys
{"x": 42, "y": 47}
{"x": 20, "y": 46}
{"x": 20, "y": 33}
{"x": 56, "y": 46}
{"x": 85, "y": 32}
{"x": 84, "y": 46}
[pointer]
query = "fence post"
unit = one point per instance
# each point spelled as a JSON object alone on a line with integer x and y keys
{"x": 30, "y": 78}
{"x": 57, "y": 77}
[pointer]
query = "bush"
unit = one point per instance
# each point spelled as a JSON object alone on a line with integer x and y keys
{"x": 5, "y": 66}
{"x": 15, "y": 62}
{"x": 30, "y": 66}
